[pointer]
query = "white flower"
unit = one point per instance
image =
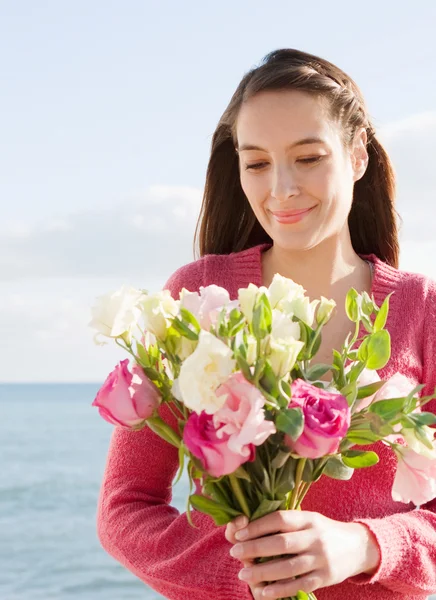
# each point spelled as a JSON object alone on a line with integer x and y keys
{"x": 203, "y": 372}
{"x": 283, "y": 327}
{"x": 157, "y": 310}
{"x": 284, "y": 355}
{"x": 325, "y": 310}
{"x": 247, "y": 297}
{"x": 116, "y": 314}
{"x": 301, "y": 307}
{"x": 415, "y": 479}
{"x": 282, "y": 288}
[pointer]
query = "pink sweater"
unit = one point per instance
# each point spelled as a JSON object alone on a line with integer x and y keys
{"x": 138, "y": 526}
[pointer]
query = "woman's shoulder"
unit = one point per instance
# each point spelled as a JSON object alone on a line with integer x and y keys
{"x": 409, "y": 286}
{"x": 230, "y": 271}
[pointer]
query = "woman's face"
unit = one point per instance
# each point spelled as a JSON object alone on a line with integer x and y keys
{"x": 294, "y": 170}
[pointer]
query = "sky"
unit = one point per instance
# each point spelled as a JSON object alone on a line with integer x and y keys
{"x": 106, "y": 116}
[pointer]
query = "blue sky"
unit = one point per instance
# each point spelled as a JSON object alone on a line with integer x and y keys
{"x": 106, "y": 114}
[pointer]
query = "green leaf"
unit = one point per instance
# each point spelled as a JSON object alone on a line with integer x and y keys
{"x": 163, "y": 430}
{"x": 280, "y": 459}
{"x": 143, "y": 355}
{"x": 268, "y": 380}
{"x": 362, "y": 437}
{"x": 369, "y": 390}
{"x": 367, "y": 305}
{"x": 265, "y": 508}
{"x": 335, "y": 469}
{"x": 181, "y": 463}
{"x": 362, "y": 353}
{"x": 379, "y": 350}
{"x": 302, "y": 595}
{"x": 367, "y": 324}
{"x": 241, "y": 473}
{"x": 317, "y": 371}
{"x": 351, "y": 305}
{"x": 244, "y": 366}
{"x": 339, "y": 375}
{"x": 350, "y": 392}
{"x": 359, "y": 459}
{"x": 262, "y": 316}
{"x": 423, "y": 438}
{"x": 220, "y": 513}
{"x": 184, "y": 330}
{"x": 381, "y": 318}
{"x": 423, "y": 418}
{"x": 285, "y": 479}
{"x": 189, "y": 317}
{"x": 388, "y": 409}
{"x": 291, "y": 421}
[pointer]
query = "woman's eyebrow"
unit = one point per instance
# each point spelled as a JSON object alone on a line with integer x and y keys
{"x": 303, "y": 142}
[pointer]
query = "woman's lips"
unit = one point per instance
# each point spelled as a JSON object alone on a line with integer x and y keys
{"x": 291, "y": 216}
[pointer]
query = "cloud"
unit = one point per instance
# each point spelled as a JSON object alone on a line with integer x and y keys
{"x": 410, "y": 144}
{"x": 148, "y": 237}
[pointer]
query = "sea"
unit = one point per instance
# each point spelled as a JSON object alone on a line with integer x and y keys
{"x": 53, "y": 447}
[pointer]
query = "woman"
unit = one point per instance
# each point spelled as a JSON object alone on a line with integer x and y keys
{"x": 297, "y": 184}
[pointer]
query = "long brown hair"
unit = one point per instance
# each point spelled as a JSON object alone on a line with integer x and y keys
{"x": 227, "y": 223}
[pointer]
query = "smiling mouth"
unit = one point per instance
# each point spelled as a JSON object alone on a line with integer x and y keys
{"x": 291, "y": 216}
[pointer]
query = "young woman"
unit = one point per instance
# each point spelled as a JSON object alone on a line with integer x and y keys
{"x": 297, "y": 184}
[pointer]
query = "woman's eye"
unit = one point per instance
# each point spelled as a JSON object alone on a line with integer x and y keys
{"x": 255, "y": 166}
{"x": 312, "y": 159}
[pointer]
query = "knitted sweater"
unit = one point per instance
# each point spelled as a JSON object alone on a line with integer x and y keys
{"x": 138, "y": 526}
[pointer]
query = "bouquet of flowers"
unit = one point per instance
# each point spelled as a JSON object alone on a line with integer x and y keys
{"x": 256, "y": 423}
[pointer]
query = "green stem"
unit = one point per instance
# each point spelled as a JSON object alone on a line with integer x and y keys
{"x": 236, "y": 488}
{"x": 298, "y": 476}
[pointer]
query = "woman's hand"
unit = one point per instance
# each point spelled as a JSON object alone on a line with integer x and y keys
{"x": 323, "y": 552}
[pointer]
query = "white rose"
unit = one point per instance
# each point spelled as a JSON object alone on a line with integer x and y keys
{"x": 301, "y": 307}
{"x": 282, "y": 288}
{"x": 203, "y": 372}
{"x": 284, "y": 355}
{"x": 283, "y": 327}
{"x": 157, "y": 310}
{"x": 116, "y": 314}
{"x": 247, "y": 297}
{"x": 325, "y": 310}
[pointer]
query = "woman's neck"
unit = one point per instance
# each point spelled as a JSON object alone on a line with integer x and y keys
{"x": 328, "y": 270}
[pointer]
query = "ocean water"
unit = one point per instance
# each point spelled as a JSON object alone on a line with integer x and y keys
{"x": 53, "y": 448}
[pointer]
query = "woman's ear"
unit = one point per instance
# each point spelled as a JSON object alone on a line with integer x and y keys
{"x": 359, "y": 154}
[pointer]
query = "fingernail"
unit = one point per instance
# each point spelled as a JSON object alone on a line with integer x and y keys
{"x": 242, "y": 534}
{"x": 244, "y": 574}
{"x": 236, "y": 550}
{"x": 241, "y": 521}
{"x": 268, "y": 593}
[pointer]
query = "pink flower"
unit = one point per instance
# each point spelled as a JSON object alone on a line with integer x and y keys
{"x": 127, "y": 399}
{"x": 242, "y": 417}
{"x": 326, "y": 420}
{"x": 200, "y": 437}
{"x": 227, "y": 439}
{"x": 396, "y": 386}
{"x": 415, "y": 479}
{"x": 206, "y": 305}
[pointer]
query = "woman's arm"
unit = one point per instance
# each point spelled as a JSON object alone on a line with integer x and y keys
{"x": 138, "y": 527}
{"x": 136, "y": 523}
{"x": 408, "y": 540}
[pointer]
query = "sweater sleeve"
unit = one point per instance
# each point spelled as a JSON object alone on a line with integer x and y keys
{"x": 137, "y": 525}
{"x": 407, "y": 541}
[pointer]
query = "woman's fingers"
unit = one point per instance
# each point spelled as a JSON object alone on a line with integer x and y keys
{"x": 273, "y": 545}
{"x": 275, "y": 570}
{"x": 279, "y": 521}
{"x": 232, "y": 527}
{"x": 282, "y": 589}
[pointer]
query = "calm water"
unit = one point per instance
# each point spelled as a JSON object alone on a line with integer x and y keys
{"x": 53, "y": 450}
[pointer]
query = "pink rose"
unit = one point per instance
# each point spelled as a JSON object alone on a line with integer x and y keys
{"x": 326, "y": 420}
{"x": 200, "y": 437}
{"x": 227, "y": 439}
{"x": 206, "y": 305}
{"x": 242, "y": 417}
{"x": 415, "y": 479}
{"x": 127, "y": 398}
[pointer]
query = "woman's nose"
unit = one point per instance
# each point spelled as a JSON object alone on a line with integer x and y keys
{"x": 284, "y": 184}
